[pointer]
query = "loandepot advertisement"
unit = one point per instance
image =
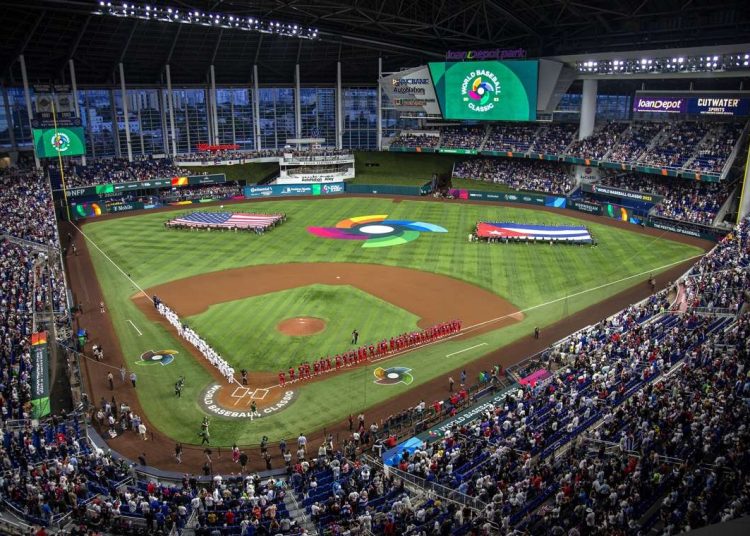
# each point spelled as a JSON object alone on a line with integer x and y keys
{"x": 64, "y": 141}
{"x": 486, "y": 90}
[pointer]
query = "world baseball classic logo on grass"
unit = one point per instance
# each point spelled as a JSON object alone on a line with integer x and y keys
{"x": 162, "y": 357}
{"x": 377, "y": 231}
{"x": 393, "y": 375}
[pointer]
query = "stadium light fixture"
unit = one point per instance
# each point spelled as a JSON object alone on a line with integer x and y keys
{"x": 736, "y": 61}
{"x": 220, "y": 20}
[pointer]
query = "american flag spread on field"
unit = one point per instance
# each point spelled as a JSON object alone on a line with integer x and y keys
{"x": 240, "y": 220}
{"x": 533, "y": 232}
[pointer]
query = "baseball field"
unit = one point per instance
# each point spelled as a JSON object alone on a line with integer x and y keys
{"x": 268, "y": 302}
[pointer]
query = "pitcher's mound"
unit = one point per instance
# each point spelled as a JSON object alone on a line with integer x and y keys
{"x": 300, "y": 326}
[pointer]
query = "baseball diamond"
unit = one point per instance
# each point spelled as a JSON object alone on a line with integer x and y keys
{"x": 378, "y": 268}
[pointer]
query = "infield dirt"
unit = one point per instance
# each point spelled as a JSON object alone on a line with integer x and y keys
{"x": 301, "y": 326}
{"x": 159, "y": 449}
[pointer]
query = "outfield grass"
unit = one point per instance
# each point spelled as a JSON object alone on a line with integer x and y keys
{"x": 535, "y": 278}
{"x": 245, "y": 331}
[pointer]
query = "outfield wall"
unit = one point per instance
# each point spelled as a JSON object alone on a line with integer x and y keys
{"x": 91, "y": 209}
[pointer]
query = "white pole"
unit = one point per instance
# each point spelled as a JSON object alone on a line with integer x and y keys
{"x": 339, "y": 109}
{"x": 256, "y": 108}
{"x": 170, "y": 102}
{"x": 379, "y": 104}
{"x": 124, "y": 91}
{"x": 74, "y": 84}
{"x": 297, "y": 105}
{"x": 27, "y": 97}
{"x": 140, "y": 125}
{"x": 214, "y": 107}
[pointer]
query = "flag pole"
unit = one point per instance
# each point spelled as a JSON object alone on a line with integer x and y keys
{"x": 60, "y": 162}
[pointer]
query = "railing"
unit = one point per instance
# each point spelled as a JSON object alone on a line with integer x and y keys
{"x": 735, "y": 150}
{"x": 717, "y": 311}
{"x": 13, "y": 529}
{"x": 443, "y": 492}
{"x": 318, "y": 158}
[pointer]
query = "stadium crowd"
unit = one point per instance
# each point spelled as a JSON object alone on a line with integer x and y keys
{"x": 713, "y": 151}
{"x": 510, "y": 137}
{"x": 462, "y": 137}
{"x": 523, "y": 175}
{"x": 554, "y": 138}
{"x": 215, "y": 157}
{"x": 112, "y": 170}
{"x": 202, "y": 191}
{"x": 409, "y": 139}
{"x": 26, "y": 209}
{"x": 720, "y": 280}
{"x": 665, "y": 439}
{"x": 604, "y": 138}
{"x": 684, "y": 199}
{"x": 677, "y": 455}
{"x": 675, "y": 145}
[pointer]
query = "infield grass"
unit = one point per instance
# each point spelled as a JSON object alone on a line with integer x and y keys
{"x": 546, "y": 282}
{"x": 244, "y": 331}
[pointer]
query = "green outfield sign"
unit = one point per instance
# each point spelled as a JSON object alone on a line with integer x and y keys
{"x": 486, "y": 90}
{"x": 64, "y": 141}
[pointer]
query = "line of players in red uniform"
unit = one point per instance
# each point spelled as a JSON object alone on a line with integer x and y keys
{"x": 359, "y": 355}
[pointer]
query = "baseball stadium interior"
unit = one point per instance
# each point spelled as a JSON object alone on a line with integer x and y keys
{"x": 347, "y": 267}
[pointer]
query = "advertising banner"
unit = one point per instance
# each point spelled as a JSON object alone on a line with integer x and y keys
{"x": 411, "y": 90}
{"x": 718, "y": 105}
{"x": 487, "y": 90}
{"x": 620, "y": 213}
{"x": 449, "y": 150}
{"x": 660, "y": 104}
{"x": 176, "y": 182}
{"x": 39, "y": 375}
{"x": 735, "y": 105}
{"x": 520, "y": 197}
{"x": 621, "y": 193}
{"x": 62, "y": 141}
{"x": 583, "y": 206}
{"x": 281, "y": 190}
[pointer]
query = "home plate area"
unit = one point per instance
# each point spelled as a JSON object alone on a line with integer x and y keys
{"x": 248, "y": 395}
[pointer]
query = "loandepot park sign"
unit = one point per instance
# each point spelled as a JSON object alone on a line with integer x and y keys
{"x": 486, "y": 54}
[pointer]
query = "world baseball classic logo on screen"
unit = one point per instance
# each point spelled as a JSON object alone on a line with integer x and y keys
{"x": 480, "y": 90}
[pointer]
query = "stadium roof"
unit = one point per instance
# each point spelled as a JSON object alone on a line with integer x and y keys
{"x": 404, "y": 33}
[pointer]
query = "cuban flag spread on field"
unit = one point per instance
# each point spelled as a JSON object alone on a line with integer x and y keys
{"x": 534, "y": 232}
{"x": 226, "y": 219}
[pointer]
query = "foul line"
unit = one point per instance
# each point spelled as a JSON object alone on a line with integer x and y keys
{"x": 467, "y": 349}
{"x": 136, "y": 285}
{"x": 462, "y": 332}
{"x": 135, "y": 327}
{"x": 468, "y": 329}
{"x": 113, "y": 262}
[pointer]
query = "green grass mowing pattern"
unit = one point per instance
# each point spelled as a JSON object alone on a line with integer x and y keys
{"x": 244, "y": 331}
{"x": 527, "y": 275}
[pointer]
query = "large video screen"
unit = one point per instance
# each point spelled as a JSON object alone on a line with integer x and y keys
{"x": 65, "y": 141}
{"x": 486, "y": 90}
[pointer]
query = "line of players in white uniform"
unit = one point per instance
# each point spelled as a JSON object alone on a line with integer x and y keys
{"x": 193, "y": 338}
